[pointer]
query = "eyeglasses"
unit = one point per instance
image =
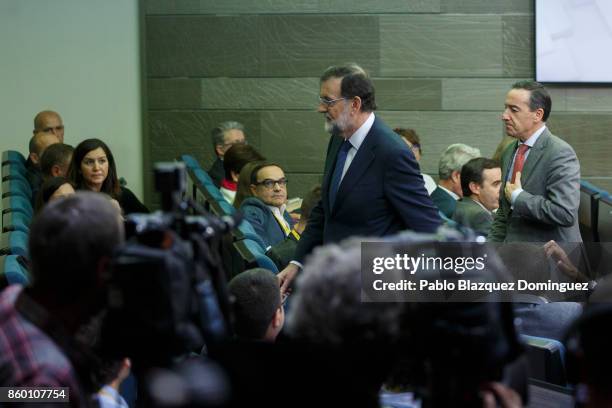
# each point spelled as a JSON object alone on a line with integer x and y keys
{"x": 269, "y": 183}
{"x": 329, "y": 102}
{"x": 51, "y": 129}
{"x": 236, "y": 142}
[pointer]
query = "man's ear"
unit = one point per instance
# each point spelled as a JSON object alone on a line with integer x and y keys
{"x": 456, "y": 176}
{"x": 219, "y": 150}
{"x": 356, "y": 103}
{"x": 234, "y": 176}
{"x": 539, "y": 113}
{"x": 34, "y": 158}
{"x": 56, "y": 170}
{"x": 277, "y": 320}
{"x": 474, "y": 188}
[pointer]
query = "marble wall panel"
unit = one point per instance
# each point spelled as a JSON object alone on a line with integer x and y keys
{"x": 440, "y": 46}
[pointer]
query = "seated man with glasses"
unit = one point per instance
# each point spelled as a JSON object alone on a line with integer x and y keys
{"x": 266, "y": 210}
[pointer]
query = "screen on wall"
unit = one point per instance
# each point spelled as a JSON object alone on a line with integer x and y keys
{"x": 574, "y": 41}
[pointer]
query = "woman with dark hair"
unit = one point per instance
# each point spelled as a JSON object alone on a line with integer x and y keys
{"x": 234, "y": 160}
{"x": 93, "y": 168}
{"x": 243, "y": 191}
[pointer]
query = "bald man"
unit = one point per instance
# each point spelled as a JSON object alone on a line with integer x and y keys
{"x": 38, "y": 144}
{"x": 49, "y": 122}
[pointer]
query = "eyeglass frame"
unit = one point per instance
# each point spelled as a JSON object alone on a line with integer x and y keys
{"x": 52, "y": 129}
{"x": 269, "y": 183}
{"x": 330, "y": 102}
{"x": 238, "y": 142}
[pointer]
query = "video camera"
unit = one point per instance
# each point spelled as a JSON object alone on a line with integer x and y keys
{"x": 167, "y": 295}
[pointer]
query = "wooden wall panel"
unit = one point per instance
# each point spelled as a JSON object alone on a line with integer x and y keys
{"x": 441, "y": 67}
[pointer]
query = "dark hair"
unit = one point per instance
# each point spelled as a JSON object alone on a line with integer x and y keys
{"x": 355, "y": 82}
{"x": 47, "y": 189}
{"x": 243, "y": 191}
{"x": 411, "y": 136}
{"x": 310, "y": 201}
{"x": 55, "y": 155}
{"x": 256, "y": 298}
{"x": 538, "y": 96}
{"x": 471, "y": 172}
{"x": 237, "y": 156}
{"x": 111, "y": 184}
{"x": 261, "y": 165}
{"x": 68, "y": 239}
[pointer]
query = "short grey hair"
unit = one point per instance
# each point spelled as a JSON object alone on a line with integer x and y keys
{"x": 327, "y": 307}
{"x": 454, "y": 157}
{"x": 218, "y": 132}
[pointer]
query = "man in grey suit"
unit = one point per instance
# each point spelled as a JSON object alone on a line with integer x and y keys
{"x": 448, "y": 191}
{"x": 480, "y": 182}
{"x": 540, "y": 173}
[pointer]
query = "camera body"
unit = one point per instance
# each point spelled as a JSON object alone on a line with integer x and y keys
{"x": 167, "y": 294}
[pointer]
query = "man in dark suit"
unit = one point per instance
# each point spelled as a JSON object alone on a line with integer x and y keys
{"x": 224, "y": 136}
{"x": 38, "y": 144}
{"x": 480, "y": 182}
{"x": 540, "y": 173}
{"x": 447, "y": 193}
{"x": 372, "y": 184}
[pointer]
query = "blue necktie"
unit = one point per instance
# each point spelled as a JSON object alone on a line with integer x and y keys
{"x": 337, "y": 176}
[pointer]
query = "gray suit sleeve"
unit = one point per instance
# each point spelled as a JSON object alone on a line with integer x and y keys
{"x": 497, "y": 233}
{"x": 560, "y": 204}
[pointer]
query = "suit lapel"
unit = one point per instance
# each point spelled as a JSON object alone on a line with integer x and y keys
{"x": 475, "y": 208}
{"x": 507, "y": 161}
{"x": 534, "y": 156}
{"x": 365, "y": 155}
{"x": 330, "y": 162}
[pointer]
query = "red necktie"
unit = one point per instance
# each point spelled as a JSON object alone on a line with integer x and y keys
{"x": 519, "y": 160}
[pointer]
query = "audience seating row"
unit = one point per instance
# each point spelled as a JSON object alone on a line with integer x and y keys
{"x": 595, "y": 214}
{"x": 546, "y": 358}
{"x": 246, "y": 243}
{"x": 17, "y": 213}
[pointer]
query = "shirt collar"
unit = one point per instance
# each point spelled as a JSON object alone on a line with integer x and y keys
{"x": 357, "y": 138}
{"x": 480, "y": 204}
{"x": 108, "y": 391}
{"x": 534, "y": 138}
{"x": 278, "y": 212}
{"x": 455, "y": 196}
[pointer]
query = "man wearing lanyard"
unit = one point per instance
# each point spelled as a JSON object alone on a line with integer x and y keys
{"x": 266, "y": 209}
{"x": 540, "y": 189}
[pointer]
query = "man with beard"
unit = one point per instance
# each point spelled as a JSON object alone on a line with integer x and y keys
{"x": 372, "y": 184}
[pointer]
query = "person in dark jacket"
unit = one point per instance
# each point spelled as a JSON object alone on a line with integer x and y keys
{"x": 224, "y": 136}
{"x": 93, "y": 168}
{"x": 266, "y": 210}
